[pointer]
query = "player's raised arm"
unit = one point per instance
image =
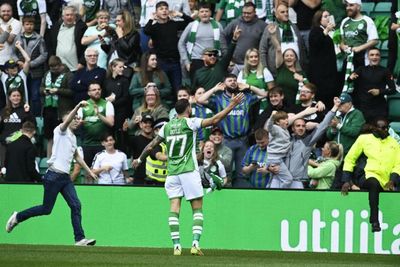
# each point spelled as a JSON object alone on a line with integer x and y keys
{"x": 235, "y": 100}
{"x": 146, "y": 151}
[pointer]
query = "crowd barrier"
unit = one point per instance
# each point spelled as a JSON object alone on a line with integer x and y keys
{"x": 275, "y": 220}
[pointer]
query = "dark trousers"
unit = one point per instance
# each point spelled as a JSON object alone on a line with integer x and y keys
{"x": 55, "y": 183}
{"x": 173, "y": 70}
{"x": 374, "y": 188}
{"x": 34, "y": 95}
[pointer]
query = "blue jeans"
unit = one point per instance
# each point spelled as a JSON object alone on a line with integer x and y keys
{"x": 239, "y": 147}
{"x": 144, "y": 41}
{"x": 55, "y": 183}
{"x": 173, "y": 71}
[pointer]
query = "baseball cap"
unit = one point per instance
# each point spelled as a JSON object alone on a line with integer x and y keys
{"x": 345, "y": 98}
{"x": 358, "y": 2}
{"x": 216, "y": 129}
{"x": 210, "y": 50}
{"x": 147, "y": 118}
{"x": 10, "y": 64}
{"x": 160, "y": 123}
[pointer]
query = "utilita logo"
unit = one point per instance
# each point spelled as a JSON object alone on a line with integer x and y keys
{"x": 337, "y": 231}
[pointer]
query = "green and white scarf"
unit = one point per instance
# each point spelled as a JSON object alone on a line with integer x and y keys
{"x": 52, "y": 100}
{"x": 233, "y": 9}
{"x": 348, "y": 85}
{"x": 192, "y": 36}
{"x": 15, "y": 82}
{"x": 287, "y": 34}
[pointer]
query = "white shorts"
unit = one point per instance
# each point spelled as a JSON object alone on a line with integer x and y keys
{"x": 186, "y": 184}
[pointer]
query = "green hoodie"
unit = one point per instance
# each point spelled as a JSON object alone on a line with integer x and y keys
{"x": 324, "y": 173}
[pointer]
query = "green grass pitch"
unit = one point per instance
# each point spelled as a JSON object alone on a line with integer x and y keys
{"x": 60, "y": 256}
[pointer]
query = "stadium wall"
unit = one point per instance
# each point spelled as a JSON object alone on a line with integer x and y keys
{"x": 234, "y": 219}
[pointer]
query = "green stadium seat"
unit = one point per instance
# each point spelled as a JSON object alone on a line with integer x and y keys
{"x": 39, "y": 125}
{"x": 381, "y": 8}
{"x": 395, "y": 125}
{"x": 367, "y": 8}
{"x": 394, "y": 107}
{"x": 43, "y": 165}
{"x": 384, "y": 62}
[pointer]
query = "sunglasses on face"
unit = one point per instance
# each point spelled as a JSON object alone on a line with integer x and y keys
{"x": 211, "y": 55}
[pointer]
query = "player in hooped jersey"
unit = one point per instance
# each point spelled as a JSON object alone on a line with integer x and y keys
{"x": 183, "y": 173}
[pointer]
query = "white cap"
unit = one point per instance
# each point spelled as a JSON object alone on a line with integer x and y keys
{"x": 358, "y": 2}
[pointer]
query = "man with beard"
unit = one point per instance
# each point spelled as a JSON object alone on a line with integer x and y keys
{"x": 382, "y": 167}
{"x": 372, "y": 83}
{"x": 9, "y": 29}
{"x": 236, "y": 125}
{"x": 358, "y": 32}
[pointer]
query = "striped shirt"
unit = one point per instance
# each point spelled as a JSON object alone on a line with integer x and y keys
{"x": 202, "y": 112}
{"x": 236, "y": 124}
{"x": 256, "y": 154}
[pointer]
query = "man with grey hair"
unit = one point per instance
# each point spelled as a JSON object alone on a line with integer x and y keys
{"x": 84, "y": 76}
{"x": 66, "y": 37}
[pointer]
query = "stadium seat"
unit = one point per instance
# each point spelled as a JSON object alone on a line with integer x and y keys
{"x": 367, "y": 8}
{"x": 39, "y": 125}
{"x": 394, "y": 107}
{"x": 395, "y": 126}
{"x": 381, "y": 8}
{"x": 43, "y": 165}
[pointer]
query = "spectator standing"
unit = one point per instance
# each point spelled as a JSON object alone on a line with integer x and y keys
{"x": 9, "y": 29}
{"x": 57, "y": 98}
{"x": 147, "y": 11}
{"x": 98, "y": 118}
{"x": 322, "y": 69}
{"x": 228, "y": 10}
{"x": 89, "y": 11}
{"x": 183, "y": 93}
{"x": 117, "y": 92}
{"x": 163, "y": 32}
{"x": 372, "y": 83}
{"x": 224, "y": 152}
{"x": 150, "y": 72}
{"x": 66, "y": 36}
{"x": 125, "y": 41}
{"x": 36, "y": 9}
{"x": 254, "y": 162}
{"x": 197, "y": 36}
{"x": 94, "y": 35}
{"x": 111, "y": 165}
{"x": 252, "y": 28}
{"x": 20, "y": 157}
{"x": 214, "y": 70}
{"x": 84, "y": 76}
{"x": 358, "y": 33}
{"x": 288, "y": 36}
{"x": 345, "y": 128}
{"x": 35, "y": 47}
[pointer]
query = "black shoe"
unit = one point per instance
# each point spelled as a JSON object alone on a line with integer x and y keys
{"x": 375, "y": 227}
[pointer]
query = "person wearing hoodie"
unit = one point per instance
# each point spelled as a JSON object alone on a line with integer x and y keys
{"x": 252, "y": 29}
{"x": 322, "y": 171}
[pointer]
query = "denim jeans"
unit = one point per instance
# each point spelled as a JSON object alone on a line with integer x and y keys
{"x": 239, "y": 147}
{"x": 173, "y": 71}
{"x": 55, "y": 183}
{"x": 34, "y": 95}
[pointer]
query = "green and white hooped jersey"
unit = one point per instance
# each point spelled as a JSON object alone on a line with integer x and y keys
{"x": 358, "y": 32}
{"x": 180, "y": 137}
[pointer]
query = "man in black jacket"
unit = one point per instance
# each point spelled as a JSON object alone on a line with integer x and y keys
{"x": 20, "y": 157}
{"x": 66, "y": 37}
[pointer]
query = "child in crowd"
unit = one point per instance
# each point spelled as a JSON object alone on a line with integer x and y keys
{"x": 322, "y": 171}
{"x": 212, "y": 170}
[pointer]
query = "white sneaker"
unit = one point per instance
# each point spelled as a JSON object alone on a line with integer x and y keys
{"x": 85, "y": 242}
{"x": 12, "y": 222}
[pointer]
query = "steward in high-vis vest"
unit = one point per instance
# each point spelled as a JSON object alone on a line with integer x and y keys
{"x": 157, "y": 169}
{"x": 156, "y": 162}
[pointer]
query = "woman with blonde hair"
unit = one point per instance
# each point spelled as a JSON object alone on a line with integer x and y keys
{"x": 322, "y": 172}
{"x": 151, "y": 104}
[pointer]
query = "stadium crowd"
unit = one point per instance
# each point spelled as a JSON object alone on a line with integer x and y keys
{"x": 315, "y": 91}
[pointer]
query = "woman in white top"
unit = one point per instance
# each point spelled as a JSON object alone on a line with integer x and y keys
{"x": 111, "y": 165}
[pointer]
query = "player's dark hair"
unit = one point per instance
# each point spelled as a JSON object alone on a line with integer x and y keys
{"x": 181, "y": 105}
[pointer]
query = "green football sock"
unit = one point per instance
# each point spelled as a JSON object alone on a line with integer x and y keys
{"x": 173, "y": 222}
{"x": 197, "y": 224}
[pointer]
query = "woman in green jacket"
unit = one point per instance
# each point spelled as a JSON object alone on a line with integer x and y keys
{"x": 322, "y": 172}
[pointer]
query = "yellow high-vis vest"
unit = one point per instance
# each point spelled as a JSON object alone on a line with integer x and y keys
{"x": 157, "y": 169}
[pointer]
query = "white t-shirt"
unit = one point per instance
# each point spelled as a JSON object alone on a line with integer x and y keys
{"x": 119, "y": 163}
{"x": 63, "y": 151}
{"x": 8, "y": 51}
